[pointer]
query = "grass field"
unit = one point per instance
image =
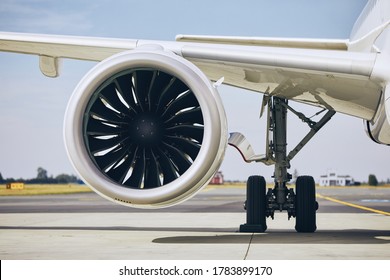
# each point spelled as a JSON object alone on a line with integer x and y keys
{"x": 45, "y": 189}
{"x": 75, "y": 188}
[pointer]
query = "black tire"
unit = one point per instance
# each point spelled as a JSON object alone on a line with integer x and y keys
{"x": 305, "y": 204}
{"x": 255, "y": 205}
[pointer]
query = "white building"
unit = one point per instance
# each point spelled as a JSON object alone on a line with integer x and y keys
{"x": 332, "y": 179}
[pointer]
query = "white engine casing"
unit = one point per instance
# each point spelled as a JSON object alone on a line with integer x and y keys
{"x": 204, "y": 166}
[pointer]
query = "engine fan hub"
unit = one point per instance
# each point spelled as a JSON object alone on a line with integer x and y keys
{"x": 146, "y": 131}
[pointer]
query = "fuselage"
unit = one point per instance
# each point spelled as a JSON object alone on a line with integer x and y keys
{"x": 376, "y": 14}
{"x": 371, "y": 33}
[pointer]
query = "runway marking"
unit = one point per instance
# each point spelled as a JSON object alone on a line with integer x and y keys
{"x": 375, "y": 200}
{"x": 353, "y": 205}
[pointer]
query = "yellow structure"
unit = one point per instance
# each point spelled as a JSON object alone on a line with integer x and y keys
{"x": 15, "y": 186}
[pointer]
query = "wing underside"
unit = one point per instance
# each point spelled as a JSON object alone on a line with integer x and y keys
{"x": 318, "y": 72}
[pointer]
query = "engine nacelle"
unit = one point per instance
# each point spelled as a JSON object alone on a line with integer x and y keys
{"x": 145, "y": 128}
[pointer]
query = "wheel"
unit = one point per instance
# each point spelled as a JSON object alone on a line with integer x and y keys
{"x": 255, "y": 205}
{"x": 305, "y": 204}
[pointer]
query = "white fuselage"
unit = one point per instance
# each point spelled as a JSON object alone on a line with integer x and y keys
{"x": 375, "y": 15}
{"x": 371, "y": 33}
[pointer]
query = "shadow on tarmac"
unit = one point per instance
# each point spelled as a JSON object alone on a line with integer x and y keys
{"x": 226, "y": 236}
{"x": 350, "y": 236}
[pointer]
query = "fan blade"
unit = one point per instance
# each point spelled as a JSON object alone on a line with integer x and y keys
{"x": 119, "y": 172}
{"x": 173, "y": 89}
{"x": 178, "y": 158}
{"x": 99, "y": 128}
{"x": 143, "y": 128}
{"x": 99, "y": 145}
{"x": 187, "y": 131}
{"x": 167, "y": 168}
{"x": 102, "y": 111}
{"x": 187, "y": 100}
{"x": 185, "y": 145}
{"x": 125, "y": 88}
{"x": 143, "y": 80}
{"x": 138, "y": 172}
{"x": 111, "y": 158}
{"x": 152, "y": 173}
{"x": 109, "y": 93}
{"x": 159, "y": 83}
{"x": 187, "y": 117}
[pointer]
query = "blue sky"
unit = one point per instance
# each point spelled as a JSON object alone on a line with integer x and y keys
{"x": 32, "y": 106}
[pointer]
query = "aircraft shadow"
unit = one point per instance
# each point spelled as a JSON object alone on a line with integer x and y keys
{"x": 351, "y": 236}
{"x": 231, "y": 236}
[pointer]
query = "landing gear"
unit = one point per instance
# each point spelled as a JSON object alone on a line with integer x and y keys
{"x": 261, "y": 204}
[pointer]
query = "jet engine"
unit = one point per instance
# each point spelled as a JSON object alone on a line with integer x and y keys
{"x": 145, "y": 128}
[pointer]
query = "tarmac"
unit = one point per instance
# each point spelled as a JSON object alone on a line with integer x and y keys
{"x": 189, "y": 236}
{"x": 88, "y": 227}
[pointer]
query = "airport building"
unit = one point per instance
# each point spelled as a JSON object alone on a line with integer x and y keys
{"x": 217, "y": 179}
{"x": 333, "y": 179}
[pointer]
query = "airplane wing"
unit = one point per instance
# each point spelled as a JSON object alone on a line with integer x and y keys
{"x": 318, "y": 72}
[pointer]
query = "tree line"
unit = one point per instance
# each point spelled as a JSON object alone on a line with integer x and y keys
{"x": 43, "y": 178}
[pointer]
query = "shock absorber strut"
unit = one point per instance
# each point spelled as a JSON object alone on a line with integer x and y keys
{"x": 278, "y": 197}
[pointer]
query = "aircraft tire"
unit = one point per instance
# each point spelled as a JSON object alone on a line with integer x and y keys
{"x": 255, "y": 205}
{"x": 305, "y": 204}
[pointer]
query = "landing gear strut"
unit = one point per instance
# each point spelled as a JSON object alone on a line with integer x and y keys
{"x": 260, "y": 203}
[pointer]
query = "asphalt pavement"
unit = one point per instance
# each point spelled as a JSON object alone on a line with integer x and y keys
{"x": 85, "y": 226}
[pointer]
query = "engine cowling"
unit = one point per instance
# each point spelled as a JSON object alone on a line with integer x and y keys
{"x": 145, "y": 128}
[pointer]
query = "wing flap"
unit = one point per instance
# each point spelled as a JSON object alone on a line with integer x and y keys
{"x": 351, "y": 63}
{"x": 323, "y": 44}
{"x": 335, "y": 80}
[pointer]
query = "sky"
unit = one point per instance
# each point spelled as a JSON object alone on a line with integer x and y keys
{"x": 32, "y": 106}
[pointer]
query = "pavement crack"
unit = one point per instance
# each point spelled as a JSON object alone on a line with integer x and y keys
{"x": 249, "y": 246}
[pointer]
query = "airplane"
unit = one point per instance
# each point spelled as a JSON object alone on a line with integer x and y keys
{"x": 146, "y": 127}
